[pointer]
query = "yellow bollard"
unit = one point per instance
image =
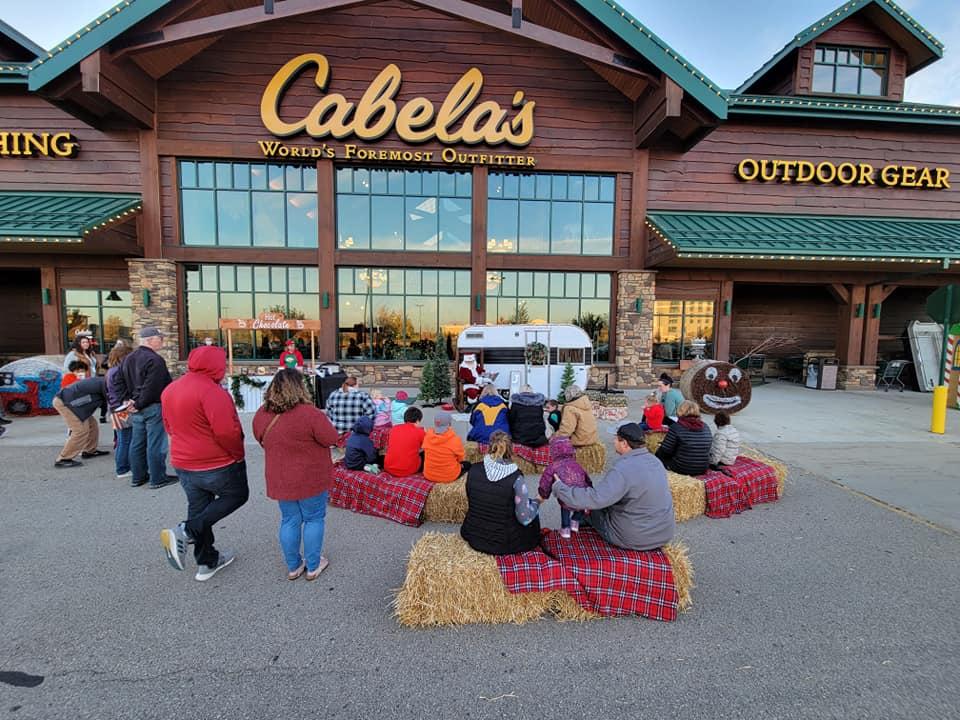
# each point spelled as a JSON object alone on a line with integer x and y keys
{"x": 938, "y": 419}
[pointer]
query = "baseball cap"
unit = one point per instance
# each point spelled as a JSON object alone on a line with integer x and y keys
{"x": 442, "y": 420}
{"x": 628, "y": 431}
{"x": 150, "y": 331}
{"x": 401, "y": 395}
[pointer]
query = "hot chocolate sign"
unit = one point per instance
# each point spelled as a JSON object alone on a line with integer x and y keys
{"x": 268, "y": 321}
{"x": 460, "y": 119}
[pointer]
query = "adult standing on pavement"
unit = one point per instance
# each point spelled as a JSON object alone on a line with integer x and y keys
{"x": 77, "y": 404}
{"x": 119, "y": 416}
{"x": 142, "y": 378}
{"x": 632, "y": 506}
{"x": 206, "y": 442}
{"x": 296, "y": 439}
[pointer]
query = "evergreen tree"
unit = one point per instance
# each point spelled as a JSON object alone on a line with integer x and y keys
{"x": 428, "y": 382}
{"x": 566, "y": 380}
{"x": 440, "y": 367}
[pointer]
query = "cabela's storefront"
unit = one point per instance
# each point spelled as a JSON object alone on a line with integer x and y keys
{"x": 397, "y": 170}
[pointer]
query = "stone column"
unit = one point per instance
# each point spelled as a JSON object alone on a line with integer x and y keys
{"x": 634, "y": 348}
{"x": 857, "y": 377}
{"x": 159, "y": 278}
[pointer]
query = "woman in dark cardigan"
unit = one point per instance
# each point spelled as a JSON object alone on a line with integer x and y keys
{"x": 501, "y": 519}
{"x": 686, "y": 447}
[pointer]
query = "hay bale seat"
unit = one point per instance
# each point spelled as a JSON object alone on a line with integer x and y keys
{"x": 449, "y": 583}
{"x": 533, "y": 461}
{"x": 689, "y": 496}
{"x": 383, "y": 495}
{"x": 653, "y": 440}
{"x": 447, "y": 502}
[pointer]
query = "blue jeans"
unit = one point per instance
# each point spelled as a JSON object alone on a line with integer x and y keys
{"x": 121, "y": 454}
{"x": 211, "y": 496}
{"x": 598, "y": 520}
{"x": 310, "y": 515}
{"x": 148, "y": 446}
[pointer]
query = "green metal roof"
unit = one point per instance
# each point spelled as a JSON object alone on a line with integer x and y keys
{"x": 925, "y": 38}
{"x": 843, "y": 109}
{"x": 60, "y": 216}
{"x": 11, "y": 33}
{"x": 656, "y": 51}
{"x": 806, "y": 237}
{"x": 90, "y": 38}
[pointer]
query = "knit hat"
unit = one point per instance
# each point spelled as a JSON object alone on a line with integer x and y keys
{"x": 401, "y": 396}
{"x": 442, "y": 420}
{"x": 572, "y": 393}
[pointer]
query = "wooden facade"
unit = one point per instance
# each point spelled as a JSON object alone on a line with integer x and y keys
{"x": 186, "y": 83}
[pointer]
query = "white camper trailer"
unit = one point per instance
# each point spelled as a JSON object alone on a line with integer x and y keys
{"x": 502, "y": 350}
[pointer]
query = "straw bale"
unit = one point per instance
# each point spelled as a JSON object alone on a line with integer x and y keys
{"x": 592, "y": 458}
{"x": 778, "y": 467}
{"x": 653, "y": 440}
{"x": 473, "y": 452}
{"x": 679, "y": 555}
{"x": 528, "y": 468}
{"x": 447, "y": 502}
{"x": 689, "y": 496}
{"x": 449, "y": 583}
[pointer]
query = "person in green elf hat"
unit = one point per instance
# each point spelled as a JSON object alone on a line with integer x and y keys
{"x": 291, "y": 357}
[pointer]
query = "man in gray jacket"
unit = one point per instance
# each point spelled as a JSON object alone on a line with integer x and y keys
{"x": 632, "y": 506}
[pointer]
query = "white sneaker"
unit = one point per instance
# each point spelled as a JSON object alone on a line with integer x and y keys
{"x": 125, "y": 476}
{"x": 205, "y": 572}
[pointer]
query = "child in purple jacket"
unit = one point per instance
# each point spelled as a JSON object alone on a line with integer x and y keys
{"x": 564, "y": 465}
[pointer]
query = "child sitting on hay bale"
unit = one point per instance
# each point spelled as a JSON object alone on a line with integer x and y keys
{"x": 726, "y": 442}
{"x": 552, "y": 408}
{"x": 443, "y": 451}
{"x": 383, "y": 417}
{"x": 652, "y": 415}
{"x": 360, "y": 451}
{"x": 403, "y": 451}
{"x": 563, "y": 466}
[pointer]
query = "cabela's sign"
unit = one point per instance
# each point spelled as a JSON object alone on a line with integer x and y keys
{"x": 845, "y": 173}
{"x": 16, "y": 143}
{"x": 460, "y": 119}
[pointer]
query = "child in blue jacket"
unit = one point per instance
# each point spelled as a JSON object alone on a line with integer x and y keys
{"x": 360, "y": 450}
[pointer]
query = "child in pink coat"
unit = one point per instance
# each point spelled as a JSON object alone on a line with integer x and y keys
{"x": 563, "y": 465}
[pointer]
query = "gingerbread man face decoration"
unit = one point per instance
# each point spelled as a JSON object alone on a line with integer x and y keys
{"x": 715, "y": 385}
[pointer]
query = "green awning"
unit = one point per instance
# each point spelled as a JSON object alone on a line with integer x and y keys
{"x": 60, "y": 216}
{"x": 806, "y": 237}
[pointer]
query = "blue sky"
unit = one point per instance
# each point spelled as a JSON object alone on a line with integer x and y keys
{"x": 726, "y": 39}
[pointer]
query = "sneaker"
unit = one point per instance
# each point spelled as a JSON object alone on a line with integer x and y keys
{"x": 94, "y": 453}
{"x": 167, "y": 480}
{"x": 125, "y": 476}
{"x": 134, "y": 483}
{"x": 5, "y": 420}
{"x": 320, "y": 568}
{"x": 205, "y": 572}
{"x": 565, "y": 533}
{"x": 575, "y": 525}
{"x": 175, "y": 541}
{"x": 67, "y": 463}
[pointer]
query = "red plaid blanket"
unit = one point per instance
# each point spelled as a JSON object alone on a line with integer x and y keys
{"x": 602, "y": 578}
{"x": 750, "y": 482}
{"x": 383, "y": 495}
{"x": 536, "y": 456}
{"x": 380, "y": 436}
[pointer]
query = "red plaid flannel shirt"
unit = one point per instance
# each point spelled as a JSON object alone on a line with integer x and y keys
{"x": 602, "y": 578}
{"x": 398, "y": 499}
{"x": 750, "y": 482}
{"x": 536, "y": 456}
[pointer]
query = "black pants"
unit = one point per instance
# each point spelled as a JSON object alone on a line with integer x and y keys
{"x": 211, "y": 496}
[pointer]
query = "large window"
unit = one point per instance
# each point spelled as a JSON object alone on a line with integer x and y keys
{"x": 384, "y": 209}
{"x": 245, "y": 291}
{"x": 396, "y": 313}
{"x": 557, "y": 297}
{"x": 106, "y": 314}
{"x": 849, "y": 71}
{"x": 677, "y": 324}
{"x": 248, "y": 204}
{"x": 550, "y": 213}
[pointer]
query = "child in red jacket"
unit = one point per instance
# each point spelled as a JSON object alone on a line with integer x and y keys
{"x": 652, "y": 415}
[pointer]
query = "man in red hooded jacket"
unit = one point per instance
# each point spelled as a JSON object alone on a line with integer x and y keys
{"x": 206, "y": 448}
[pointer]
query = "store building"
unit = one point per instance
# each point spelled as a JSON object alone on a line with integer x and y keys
{"x": 398, "y": 169}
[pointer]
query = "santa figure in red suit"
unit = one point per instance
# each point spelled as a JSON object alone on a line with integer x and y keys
{"x": 470, "y": 375}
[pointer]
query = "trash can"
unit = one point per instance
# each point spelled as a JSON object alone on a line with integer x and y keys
{"x": 813, "y": 375}
{"x": 326, "y": 384}
{"x": 828, "y": 374}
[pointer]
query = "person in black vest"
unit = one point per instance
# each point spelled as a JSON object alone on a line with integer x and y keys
{"x": 500, "y": 520}
{"x": 526, "y": 418}
{"x": 686, "y": 447}
{"x": 77, "y": 404}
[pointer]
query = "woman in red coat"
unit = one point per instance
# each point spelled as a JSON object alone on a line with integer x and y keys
{"x": 296, "y": 438}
